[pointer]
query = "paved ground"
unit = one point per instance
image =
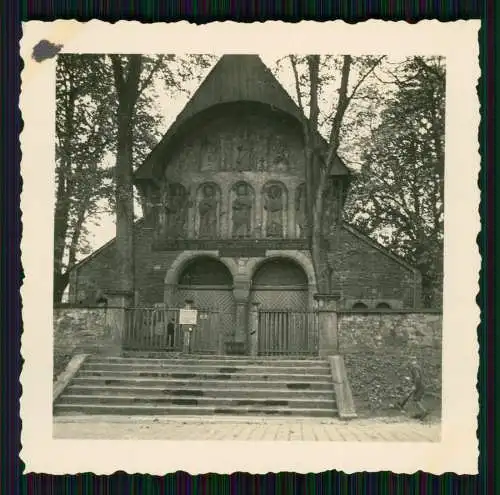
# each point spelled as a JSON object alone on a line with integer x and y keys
{"x": 253, "y": 429}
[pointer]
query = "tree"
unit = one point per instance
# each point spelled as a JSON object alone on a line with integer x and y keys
{"x": 398, "y": 195}
{"x": 318, "y": 81}
{"x": 83, "y": 116}
{"x": 87, "y": 129}
{"x": 132, "y": 74}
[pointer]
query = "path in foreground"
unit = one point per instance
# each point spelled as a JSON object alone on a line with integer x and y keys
{"x": 186, "y": 428}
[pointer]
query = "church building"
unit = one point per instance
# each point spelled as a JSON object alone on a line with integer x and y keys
{"x": 223, "y": 199}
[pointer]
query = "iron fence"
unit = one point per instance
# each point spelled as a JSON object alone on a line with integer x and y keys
{"x": 159, "y": 329}
{"x": 283, "y": 332}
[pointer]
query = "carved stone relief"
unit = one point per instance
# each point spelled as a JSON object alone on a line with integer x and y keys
{"x": 175, "y": 210}
{"x": 242, "y": 203}
{"x": 275, "y": 210}
{"x": 208, "y": 199}
{"x": 240, "y": 144}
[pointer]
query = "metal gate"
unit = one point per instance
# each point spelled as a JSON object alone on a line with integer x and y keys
{"x": 212, "y": 299}
{"x": 283, "y": 332}
{"x": 158, "y": 329}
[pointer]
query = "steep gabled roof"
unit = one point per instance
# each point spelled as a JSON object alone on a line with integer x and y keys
{"x": 234, "y": 78}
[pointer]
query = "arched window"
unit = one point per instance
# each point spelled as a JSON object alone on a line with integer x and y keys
{"x": 359, "y": 305}
{"x": 383, "y": 305}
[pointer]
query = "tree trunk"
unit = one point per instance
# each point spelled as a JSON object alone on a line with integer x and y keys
{"x": 60, "y": 283}
{"x": 124, "y": 203}
{"x": 63, "y": 197}
{"x": 127, "y": 88}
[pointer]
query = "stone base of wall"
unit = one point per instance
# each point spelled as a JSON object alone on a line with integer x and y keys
{"x": 377, "y": 348}
{"x": 82, "y": 331}
{"x": 379, "y": 379}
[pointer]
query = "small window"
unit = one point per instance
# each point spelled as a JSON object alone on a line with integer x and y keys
{"x": 383, "y": 305}
{"x": 359, "y": 305}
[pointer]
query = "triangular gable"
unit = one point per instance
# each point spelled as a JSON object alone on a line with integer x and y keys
{"x": 234, "y": 78}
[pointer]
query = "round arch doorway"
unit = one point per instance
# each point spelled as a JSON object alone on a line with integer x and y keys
{"x": 209, "y": 284}
{"x": 281, "y": 288}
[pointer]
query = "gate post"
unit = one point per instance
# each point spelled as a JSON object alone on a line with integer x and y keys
{"x": 118, "y": 304}
{"x": 328, "y": 325}
{"x": 254, "y": 329}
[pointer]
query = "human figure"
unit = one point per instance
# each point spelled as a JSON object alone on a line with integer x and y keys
{"x": 417, "y": 391}
{"x": 242, "y": 210}
{"x": 274, "y": 208}
{"x": 175, "y": 206}
{"x": 208, "y": 212}
{"x": 171, "y": 332}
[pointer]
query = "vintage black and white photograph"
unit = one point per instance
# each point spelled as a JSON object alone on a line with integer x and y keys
{"x": 249, "y": 246}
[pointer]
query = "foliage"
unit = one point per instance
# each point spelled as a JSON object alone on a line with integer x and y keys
{"x": 397, "y": 196}
{"x": 317, "y": 81}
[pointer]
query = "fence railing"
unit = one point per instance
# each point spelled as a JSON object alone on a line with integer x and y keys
{"x": 159, "y": 329}
{"x": 284, "y": 332}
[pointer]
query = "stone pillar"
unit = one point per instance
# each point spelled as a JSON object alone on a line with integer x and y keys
{"x": 241, "y": 294}
{"x": 328, "y": 324}
{"x": 253, "y": 338}
{"x": 117, "y": 318}
{"x": 168, "y": 295}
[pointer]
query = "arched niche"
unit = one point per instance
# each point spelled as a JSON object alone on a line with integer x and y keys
{"x": 359, "y": 305}
{"x": 383, "y": 305}
{"x": 208, "y": 206}
{"x": 242, "y": 210}
{"x": 280, "y": 283}
{"x": 274, "y": 210}
{"x": 205, "y": 271}
{"x": 173, "y": 217}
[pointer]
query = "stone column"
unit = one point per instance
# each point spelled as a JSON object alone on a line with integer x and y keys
{"x": 168, "y": 295}
{"x": 328, "y": 324}
{"x": 117, "y": 319}
{"x": 253, "y": 337}
{"x": 241, "y": 294}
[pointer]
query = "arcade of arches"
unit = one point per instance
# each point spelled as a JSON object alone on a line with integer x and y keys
{"x": 277, "y": 283}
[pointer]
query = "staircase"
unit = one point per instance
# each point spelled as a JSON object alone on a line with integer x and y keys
{"x": 157, "y": 385}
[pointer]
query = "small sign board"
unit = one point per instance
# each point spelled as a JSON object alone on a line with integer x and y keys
{"x": 188, "y": 316}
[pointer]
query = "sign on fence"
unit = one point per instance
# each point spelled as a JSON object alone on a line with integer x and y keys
{"x": 188, "y": 316}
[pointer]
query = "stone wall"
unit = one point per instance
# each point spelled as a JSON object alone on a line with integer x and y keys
{"x": 98, "y": 273}
{"x": 365, "y": 271}
{"x": 377, "y": 347}
{"x": 83, "y": 330}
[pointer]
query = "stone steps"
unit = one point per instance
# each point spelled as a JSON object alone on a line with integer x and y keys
{"x": 241, "y": 376}
{"x": 160, "y": 400}
{"x": 210, "y": 362}
{"x": 202, "y": 369}
{"x": 248, "y": 383}
{"x": 187, "y": 389}
{"x": 112, "y": 410}
{"x": 189, "y": 385}
{"x": 170, "y": 355}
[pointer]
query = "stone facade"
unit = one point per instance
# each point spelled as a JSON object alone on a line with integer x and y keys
{"x": 224, "y": 193}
